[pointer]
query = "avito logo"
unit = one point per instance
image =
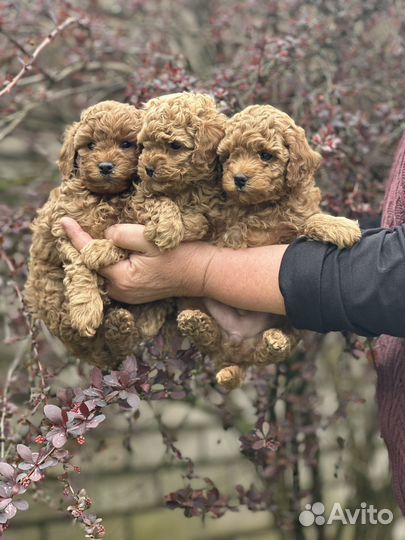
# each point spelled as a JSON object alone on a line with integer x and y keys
{"x": 366, "y": 514}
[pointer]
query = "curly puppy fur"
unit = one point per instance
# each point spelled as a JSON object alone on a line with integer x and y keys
{"x": 98, "y": 162}
{"x": 268, "y": 176}
{"x": 178, "y": 167}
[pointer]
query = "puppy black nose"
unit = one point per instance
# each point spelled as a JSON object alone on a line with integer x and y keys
{"x": 240, "y": 180}
{"x": 150, "y": 171}
{"x": 105, "y": 167}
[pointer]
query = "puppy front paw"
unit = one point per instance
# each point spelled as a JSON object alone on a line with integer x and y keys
{"x": 86, "y": 317}
{"x": 164, "y": 235}
{"x": 98, "y": 254}
{"x": 348, "y": 234}
{"x": 235, "y": 237}
{"x": 340, "y": 231}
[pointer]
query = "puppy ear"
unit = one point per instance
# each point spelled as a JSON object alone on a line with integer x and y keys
{"x": 303, "y": 161}
{"x": 209, "y": 134}
{"x": 67, "y": 156}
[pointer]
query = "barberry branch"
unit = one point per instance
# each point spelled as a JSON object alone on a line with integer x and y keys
{"x": 27, "y": 66}
{"x": 15, "y": 364}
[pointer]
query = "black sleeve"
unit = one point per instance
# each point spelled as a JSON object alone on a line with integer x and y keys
{"x": 361, "y": 289}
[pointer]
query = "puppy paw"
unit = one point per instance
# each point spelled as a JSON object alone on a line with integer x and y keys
{"x": 119, "y": 322}
{"x": 348, "y": 235}
{"x": 165, "y": 235}
{"x": 235, "y": 237}
{"x": 151, "y": 318}
{"x": 86, "y": 318}
{"x": 230, "y": 377}
{"x": 275, "y": 347}
{"x": 98, "y": 254}
{"x": 120, "y": 332}
{"x": 200, "y": 328}
{"x": 192, "y": 322}
{"x": 339, "y": 231}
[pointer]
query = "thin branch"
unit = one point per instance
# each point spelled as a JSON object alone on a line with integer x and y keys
{"x": 16, "y": 44}
{"x": 19, "y": 355}
{"x": 27, "y": 66}
{"x": 26, "y": 315}
{"x": 18, "y": 118}
{"x": 119, "y": 67}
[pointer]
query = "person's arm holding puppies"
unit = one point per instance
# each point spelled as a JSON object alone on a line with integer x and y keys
{"x": 192, "y": 269}
{"x": 320, "y": 287}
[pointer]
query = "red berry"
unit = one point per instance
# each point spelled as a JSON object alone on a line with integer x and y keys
{"x": 76, "y": 513}
{"x": 26, "y": 482}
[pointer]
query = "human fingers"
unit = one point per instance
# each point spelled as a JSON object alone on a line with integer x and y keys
{"x": 119, "y": 279}
{"x": 130, "y": 236}
{"x": 142, "y": 278}
{"x": 76, "y": 234}
{"x": 137, "y": 280}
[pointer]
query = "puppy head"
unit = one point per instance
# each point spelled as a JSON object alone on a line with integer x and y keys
{"x": 265, "y": 156}
{"x": 180, "y": 134}
{"x": 101, "y": 149}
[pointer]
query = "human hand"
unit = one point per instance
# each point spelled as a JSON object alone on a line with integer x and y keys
{"x": 247, "y": 278}
{"x": 147, "y": 274}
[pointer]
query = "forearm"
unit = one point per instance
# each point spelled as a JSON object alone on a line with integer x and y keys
{"x": 361, "y": 289}
{"x": 245, "y": 278}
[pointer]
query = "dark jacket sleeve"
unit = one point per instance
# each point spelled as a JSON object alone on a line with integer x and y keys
{"x": 361, "y": 289}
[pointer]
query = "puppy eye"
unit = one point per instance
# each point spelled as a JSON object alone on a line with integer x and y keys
{"x": 140, "y": 147}
{"x": 265, "y": 156}
{"x": 126, "y": 144}
{"x": 91, "y": 145}
{"x": 174, "y": 145}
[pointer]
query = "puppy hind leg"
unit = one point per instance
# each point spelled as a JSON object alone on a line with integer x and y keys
{"x": 94, "y": 351}
{"x": 120, "y": 333}
{"x": 274, "y": 347}
{"x": 44, "y": 297}
{"x": 150, "y": 318}
{"x": 202, "y": 329}
{"x": 231, "y": 377}
{"x": 88, "y": 349}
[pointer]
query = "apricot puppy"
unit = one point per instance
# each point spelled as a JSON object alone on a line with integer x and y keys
{"x": 98, "y": 162}
{"x": 180, "y": 189}
{"x": 268, "y": 177}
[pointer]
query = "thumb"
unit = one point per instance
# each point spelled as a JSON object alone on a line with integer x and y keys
{"x": 130, "y": 236}
{"x": 77, "y": 235}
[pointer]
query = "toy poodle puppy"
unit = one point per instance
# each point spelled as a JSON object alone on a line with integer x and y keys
{"x": 98, "y": 162}
{"x": 178, "y": 166}
{"x": 268, "y": 177}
